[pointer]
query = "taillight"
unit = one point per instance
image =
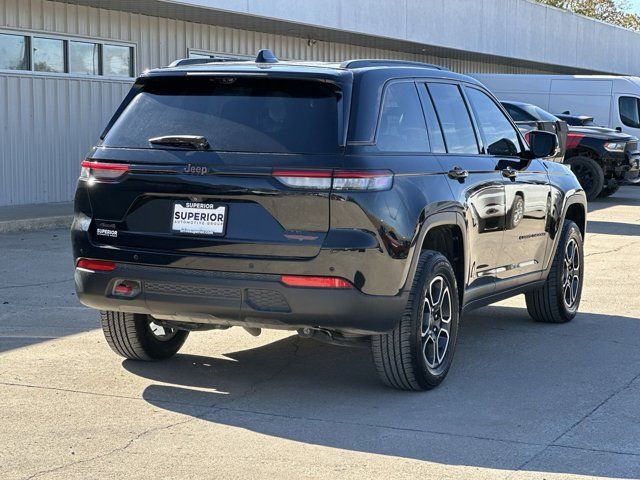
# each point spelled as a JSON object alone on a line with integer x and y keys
{"x": 342, "y": 180}
{"x": 307, "y": 179}
{"x": 314, "y": 282}
{"x": 103, "y": 171}
{"x": 96, "y": 265}
{"x": 362, "y": 181}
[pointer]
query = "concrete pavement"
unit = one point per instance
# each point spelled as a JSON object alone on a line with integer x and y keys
{"x": 523, "y": 400}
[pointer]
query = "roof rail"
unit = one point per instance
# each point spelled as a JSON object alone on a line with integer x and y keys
{"x": 390, "y": 63}
{"x": 202, "y": 61}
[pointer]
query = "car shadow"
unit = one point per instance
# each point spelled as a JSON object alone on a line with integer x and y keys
{"x": 627, "y": 195}
{"x": 613, "y": 228}
{"x": 517, "y": 389}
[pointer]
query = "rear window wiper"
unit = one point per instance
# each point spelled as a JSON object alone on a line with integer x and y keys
{"x": 195, "y": 142}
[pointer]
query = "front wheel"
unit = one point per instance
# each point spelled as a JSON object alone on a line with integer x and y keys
{"x": 557, "y": 300}
{"x": 589, "y": 174}
{"x": 417, "y": 354}
{"x": 609, "y": 190}
{"x": 138, "y": 337}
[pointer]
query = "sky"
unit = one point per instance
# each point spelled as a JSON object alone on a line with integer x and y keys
{"x": 634, "y": 6}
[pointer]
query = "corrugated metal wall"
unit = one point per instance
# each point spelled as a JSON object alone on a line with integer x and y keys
{"x": 47, "y": 123}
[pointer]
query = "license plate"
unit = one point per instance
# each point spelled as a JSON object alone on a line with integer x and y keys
{"x": 199, "y": 218}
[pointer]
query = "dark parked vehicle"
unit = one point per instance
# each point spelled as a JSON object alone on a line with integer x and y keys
{"x": 530, "y": 117}
{"x": 577, "y": 120}
{"x": 601, "y": 158}
{"x": 370, "y": 202}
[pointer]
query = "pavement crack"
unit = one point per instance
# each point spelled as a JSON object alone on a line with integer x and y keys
{"x": 41, "y": 284}
{"x": 614, "y": 250}
{"x": 554, "y": 442}
{"x": 112, "y": 451}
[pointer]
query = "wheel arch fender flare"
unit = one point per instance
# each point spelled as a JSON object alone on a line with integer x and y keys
{"x": 575, "y": 197}
{"x": 439, "y": 219}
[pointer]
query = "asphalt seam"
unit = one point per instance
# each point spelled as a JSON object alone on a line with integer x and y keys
{"x": 555, "y": 443}
{"x": 212, "y": 409}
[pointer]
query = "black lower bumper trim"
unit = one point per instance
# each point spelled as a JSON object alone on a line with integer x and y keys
{"x": 227, "y": 298}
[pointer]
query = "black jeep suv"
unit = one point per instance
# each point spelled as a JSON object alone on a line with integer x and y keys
{"x": 367, "y": 202}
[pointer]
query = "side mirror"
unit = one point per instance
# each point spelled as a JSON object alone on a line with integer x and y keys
{"x": 542, "y": 144}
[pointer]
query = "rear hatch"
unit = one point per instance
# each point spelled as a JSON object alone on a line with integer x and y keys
{"x": 199, "y": 165}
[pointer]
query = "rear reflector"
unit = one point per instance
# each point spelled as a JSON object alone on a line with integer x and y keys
{"x": 96, "y": 265}
{"x": 103, "y": 171}
{"x": 342, "y": 180}
{"x": 314, "y": 282}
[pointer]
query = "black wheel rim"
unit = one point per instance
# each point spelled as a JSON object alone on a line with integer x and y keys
{"x": 585, "y": 176}
{"x": 436, "y": 323}
{"x": 571, "y": 274}
{"x": 162, "y": 333}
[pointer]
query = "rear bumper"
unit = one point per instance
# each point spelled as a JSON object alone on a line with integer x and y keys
{"x": 246, "y": 299}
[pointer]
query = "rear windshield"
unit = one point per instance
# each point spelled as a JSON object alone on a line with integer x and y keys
{"x": 233, "y": 114}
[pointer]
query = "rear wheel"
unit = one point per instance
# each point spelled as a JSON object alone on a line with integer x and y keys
{"x": 589, "y": 174}
{"x": 138, "y": 337}
{"x": 557, "y": 301}
{"x": 418, "y": 353}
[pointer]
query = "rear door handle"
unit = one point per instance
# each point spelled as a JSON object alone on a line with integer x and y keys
{"x": 458, "y": 173}
{"x": 509, "y": 172}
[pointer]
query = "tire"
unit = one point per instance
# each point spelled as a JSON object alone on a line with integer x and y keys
{"x": 557, "y": 301}
{"x": 609, "y": 190}
{"x": 589, "y": 174}
{"x": 516, "y": 213}
{"x": 407, "y": 358}
{"x": 130, "y": 335}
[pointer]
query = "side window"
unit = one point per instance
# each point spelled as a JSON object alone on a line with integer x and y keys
{"x": 433, "y": 124}
{"x": 402, "y": 127}
{"x": 630, "y": 111}
{"x": 454, "y": 118}
{"x": 499, "y": 135}
{"x": 517, "y": 114}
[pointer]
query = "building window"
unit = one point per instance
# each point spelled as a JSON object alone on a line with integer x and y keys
{"x": 117, "y": 61}
{"x": 62, "y": 55}
{"x": 14, "y": 52}
{"x": 84, "y": 58}
{"x": 48, "y": 55}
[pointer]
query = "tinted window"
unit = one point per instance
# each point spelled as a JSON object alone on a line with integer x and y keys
{"x": 84, "y": 57}
{"x": 499, "y": 136}
{"x": 402, "y": 127}
{"x": 117, "y": 61}
{"x": 48, "y": 55}
{"x": 233, "y": 114}
{"x": 433, "y": 125}
{"x": 517, "y": 114}
{"x": 454, "y": 118}
{"x": 14, "y": 54}
{"x": 630, "y": 111}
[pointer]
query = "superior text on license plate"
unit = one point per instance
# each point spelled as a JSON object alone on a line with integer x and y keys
{"x": 199, "y": 218}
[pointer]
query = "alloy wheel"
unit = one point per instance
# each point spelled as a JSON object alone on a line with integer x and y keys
{"x": 162, "y": 333}
{"x": 436, "y": 322}
{"x": 571, "y": 274}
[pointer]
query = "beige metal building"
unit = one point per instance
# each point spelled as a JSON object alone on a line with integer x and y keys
{"x": 66, "y": 65}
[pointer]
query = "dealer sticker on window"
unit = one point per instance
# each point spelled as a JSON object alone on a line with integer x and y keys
{"x": 199, "y": 218}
